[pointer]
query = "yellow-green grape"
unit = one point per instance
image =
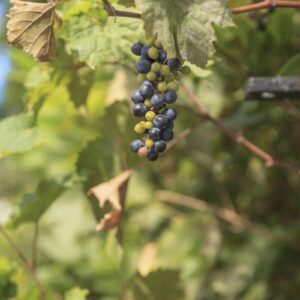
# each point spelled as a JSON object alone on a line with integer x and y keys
{"x": 148, "y": 125}
{"x": 164, "y": 70}
{"x": 173, "y": 86}
{"x": 149, "y": 143}
{"x": 153, "y": 53}
{"x": 162, "y": 87}
{"x": 186, "y": 70}
{"x": 151, "y": 76}
{"x": 141, "y": 77}
{"x": 143, "y": 152}
{"x": 148, "y": 103}
{"x": 150, "y": 115}
{"x": 158, "y": 44}
{"x": 143, "y": 124}
{"x": 170, "y": 77}
{"x": 155, "y": 67}
{"x": 138, "y": 128}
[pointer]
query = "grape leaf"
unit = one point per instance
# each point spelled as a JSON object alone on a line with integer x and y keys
{"x": 76, "y": 294}
{"x": 95, "y": 43}
{"x": 291, "y": 68}
{"x": 128, "y": 3}
{"x": 185, "y": 27}
{"x": 161, "y": 284}
{"x": 112, "y": 191}
{"x": 17, "y": 134}
{"x": 30, "y": 25}
{"x": 34, "y": 205}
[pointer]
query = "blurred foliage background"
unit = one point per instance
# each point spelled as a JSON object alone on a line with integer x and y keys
{"x": 66, "y": 127}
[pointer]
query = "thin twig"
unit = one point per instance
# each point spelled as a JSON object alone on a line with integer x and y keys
{"x": 111, "y": 11}
{"x": 34, "y": 246}
{"x": 237, "y": 221}
{"x": 266, "y": 4}
{"x": 238, "y": 137}
{"x": 25, "y": 262}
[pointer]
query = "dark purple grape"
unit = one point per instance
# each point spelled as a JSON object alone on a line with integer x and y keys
{"x": 170, "y": 113}
{"x": 152, "y": 155}
{"x": 160, "y": 121}
{"x": 136, "y": 145}
{"x": 154, "y": 133}
{"x": 170, "y": 97}
{"x": 170, "y": 125}
{"x": 157, "y": 101}
{"x": 137, "y": 48}
{"x": 160, "y": 146}
{"x": 167, "y": 135}
{"x": 173, "y": 63}
{"x": 139, "y": 110}
{"x": 144, "y": 52}
{"x": 136, "y": 97}
{"x": 147, "y": 90}
{"x": 147, "y": 82}
{"x": 143, "y": 66}
{"x": 162, "y": 55}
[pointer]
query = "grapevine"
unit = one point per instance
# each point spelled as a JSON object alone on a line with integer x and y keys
{"x": 158, "y": 76}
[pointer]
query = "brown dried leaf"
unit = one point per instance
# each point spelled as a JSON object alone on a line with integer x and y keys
{"x": 30, "y": 25}
{"x": 112, "y": 191}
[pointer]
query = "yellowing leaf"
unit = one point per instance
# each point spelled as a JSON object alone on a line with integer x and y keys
{"x": 30, "y": 25}
{"x": 112, "y": 191}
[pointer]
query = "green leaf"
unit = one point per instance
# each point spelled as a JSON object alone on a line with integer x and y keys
{"x": 185, "y": 27}
{"x": 95, "y": 43}
{"x": 162, "y": 284}
{"x": 34, "y": 205}
{"x": 76, "y": 294}
{"x": 128, "y": 3}
{"x": 17, "y": 133}
{"x": 292, "y": 67}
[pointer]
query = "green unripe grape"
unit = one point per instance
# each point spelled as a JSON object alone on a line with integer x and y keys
{"x": 162, "y": 87}
{"x": 149, "y": 143}
{"x": 141, "y": 77}
{"x": 158, "y": 44}
{"x": 148, "y": 103}
{"x": 155, "y": 67}
{"x": 150, "y": 115}
{"x": 138, "y": 128}
{"x": 151, "y": 76}
{"x": 173, "y": 86}
{"x": 170, "y": 77}
{"x": 153, "y": 53}
{"x": 165, "y": 70}
{"x": 186, "y": 70}
{"x": 143, "y": 152}
{"x": 148, "y": 125}
{"x": 178, "y": 76}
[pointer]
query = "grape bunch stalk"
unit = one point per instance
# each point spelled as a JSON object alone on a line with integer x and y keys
{"x": 158, "y": 76}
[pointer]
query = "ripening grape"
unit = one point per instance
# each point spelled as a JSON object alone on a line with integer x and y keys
{"x": 157, "y": 76}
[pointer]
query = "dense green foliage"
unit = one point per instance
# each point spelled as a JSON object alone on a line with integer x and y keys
{"x": 66, "y": 125}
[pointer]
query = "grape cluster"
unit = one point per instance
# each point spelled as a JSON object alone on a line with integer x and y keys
{"x": 157, "y": 74}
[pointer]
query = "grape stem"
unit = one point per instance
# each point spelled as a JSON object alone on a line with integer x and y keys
{"x": 111, "y": 11}
{"x": 237, "y": 136}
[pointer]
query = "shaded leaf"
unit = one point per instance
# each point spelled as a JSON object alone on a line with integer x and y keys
{"x": 30, "y": 25}
{"x": 17, "y": 134}
{"x": 113, "y": 192}
{"x": 162, "y": 284}
{"x": 129, "y": 3}
{"x": 76, "y": 294}
{"x": 95, "y": 44}
{"x": 34, "y": 205}
{"x": 185, "y": 27}
{"x": 292, "y": 67}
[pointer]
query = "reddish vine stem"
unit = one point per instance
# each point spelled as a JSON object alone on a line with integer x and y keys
{"x": 265, "y": 4}
{"x": 25, "y": 262}
{"x": 111, "y": 11}
{"x": 238, "y": 137}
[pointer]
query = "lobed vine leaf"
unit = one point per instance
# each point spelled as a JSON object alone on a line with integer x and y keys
{"x": 112, "y": 191}
{"x": 76, "y": 294}
{"x": 30, "y": 25}
{"x": 185, "y": 27}
{"x": 34, "y": 205}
